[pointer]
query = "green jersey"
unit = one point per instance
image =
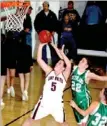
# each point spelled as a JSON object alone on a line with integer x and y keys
{"x": 99, "y": 116}
{"x": 79, "y": 87}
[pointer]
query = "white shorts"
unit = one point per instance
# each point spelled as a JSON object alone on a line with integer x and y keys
{"x": 42, "y": 110}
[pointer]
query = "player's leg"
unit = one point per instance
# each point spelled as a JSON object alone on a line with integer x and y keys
{"x": 38, "y": 113}
{"x": 8, "y": 81}
{"x": 12, "y": 79}
{"x": 12, "y": 76}
{"x": 22, "y": 81}
{"x": 84, "y": 124}
{"x": 26, "y": 71}
{"x": 3, "y": 78}
{"x": 28, "y": 122}
{"x": 27, "y": 77}
{"x": 59, "y": 115}
{"x": 63, "y": 124}
{"x": 78, "y": 117}
{"x": 27, "y": 80}
{"x": 84, "y": 121}
{"x": 85, "y": 104}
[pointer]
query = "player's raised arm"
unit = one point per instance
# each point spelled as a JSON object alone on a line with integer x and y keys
{"x": 93, "y": 76}
{"x": 67, "y": 62}
{"x": 41, "y": 62}
{"x": 57, "y": 51}
{"x": 87, "y": 111}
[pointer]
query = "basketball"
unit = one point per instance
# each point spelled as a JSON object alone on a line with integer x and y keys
{"x": 45, "y": 36}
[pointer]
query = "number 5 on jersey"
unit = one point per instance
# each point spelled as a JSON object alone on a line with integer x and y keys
{"x": 53, "y": 86}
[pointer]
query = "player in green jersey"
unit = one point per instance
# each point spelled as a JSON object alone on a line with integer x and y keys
{"x": 80, "y": 92}
{"x": 97, "y": 111}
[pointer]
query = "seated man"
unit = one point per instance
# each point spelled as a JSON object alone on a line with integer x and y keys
{"x": 67, "y": 38}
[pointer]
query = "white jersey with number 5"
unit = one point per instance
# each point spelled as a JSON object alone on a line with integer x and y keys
{"x": 53, "y": 88}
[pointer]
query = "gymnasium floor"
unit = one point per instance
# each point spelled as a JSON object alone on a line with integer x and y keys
{"x": 16, "y": 111}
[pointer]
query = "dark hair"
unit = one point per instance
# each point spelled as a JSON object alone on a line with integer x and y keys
{"x": 96, "y": 70}
{"x": 66, "y": 15}
{"x": 30, "y": 8}
{"x": 56, "y": 61}
{"x": 105, "y": 94}
{"x": 70, "y": 2}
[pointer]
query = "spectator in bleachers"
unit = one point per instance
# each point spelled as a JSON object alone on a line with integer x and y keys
{"x": 46, "y": 20}
{"x": 92, "y": 18}
{"x": 69, "y": 9}
{"x": 93, "y": 14}
{"x": 73, "y": 19}
{"x": 67, "y": 38}
{"x": 75, "y": 24}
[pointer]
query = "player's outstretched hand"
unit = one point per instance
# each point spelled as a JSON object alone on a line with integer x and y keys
{"x": 62, "y": 49}
{"x": 73, "y": 104}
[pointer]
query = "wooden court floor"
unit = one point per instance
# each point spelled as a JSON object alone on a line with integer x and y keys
{"x": 16, "y": 111}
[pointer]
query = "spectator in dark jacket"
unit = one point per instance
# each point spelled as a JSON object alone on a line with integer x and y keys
{"x": 27, "y": 21}
{"x": 28, "y": 26}
{"x": 46, "y": 20}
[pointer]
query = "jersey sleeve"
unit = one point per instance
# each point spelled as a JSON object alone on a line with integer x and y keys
{"x": 74, "y": 68}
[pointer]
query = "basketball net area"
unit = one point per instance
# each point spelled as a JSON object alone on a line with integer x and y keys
{"x": 14, "y": 22}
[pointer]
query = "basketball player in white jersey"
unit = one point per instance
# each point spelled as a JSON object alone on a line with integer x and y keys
{"x": 51, "y": 100}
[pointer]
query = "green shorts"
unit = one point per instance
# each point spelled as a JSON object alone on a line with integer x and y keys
{"x": 83, "y": 104}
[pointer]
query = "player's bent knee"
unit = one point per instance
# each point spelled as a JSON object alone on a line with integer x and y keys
{"x": 12, "y": 76}
{"x": 28, "y": 122}
{"x": 84, "y": 124}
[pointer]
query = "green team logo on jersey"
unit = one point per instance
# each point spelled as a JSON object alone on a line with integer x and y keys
{"x": 76, "y": 85}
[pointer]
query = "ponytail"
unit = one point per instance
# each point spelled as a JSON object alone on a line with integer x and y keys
{"x": 105, "y": 94}
{"x": 98, "y": 71}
